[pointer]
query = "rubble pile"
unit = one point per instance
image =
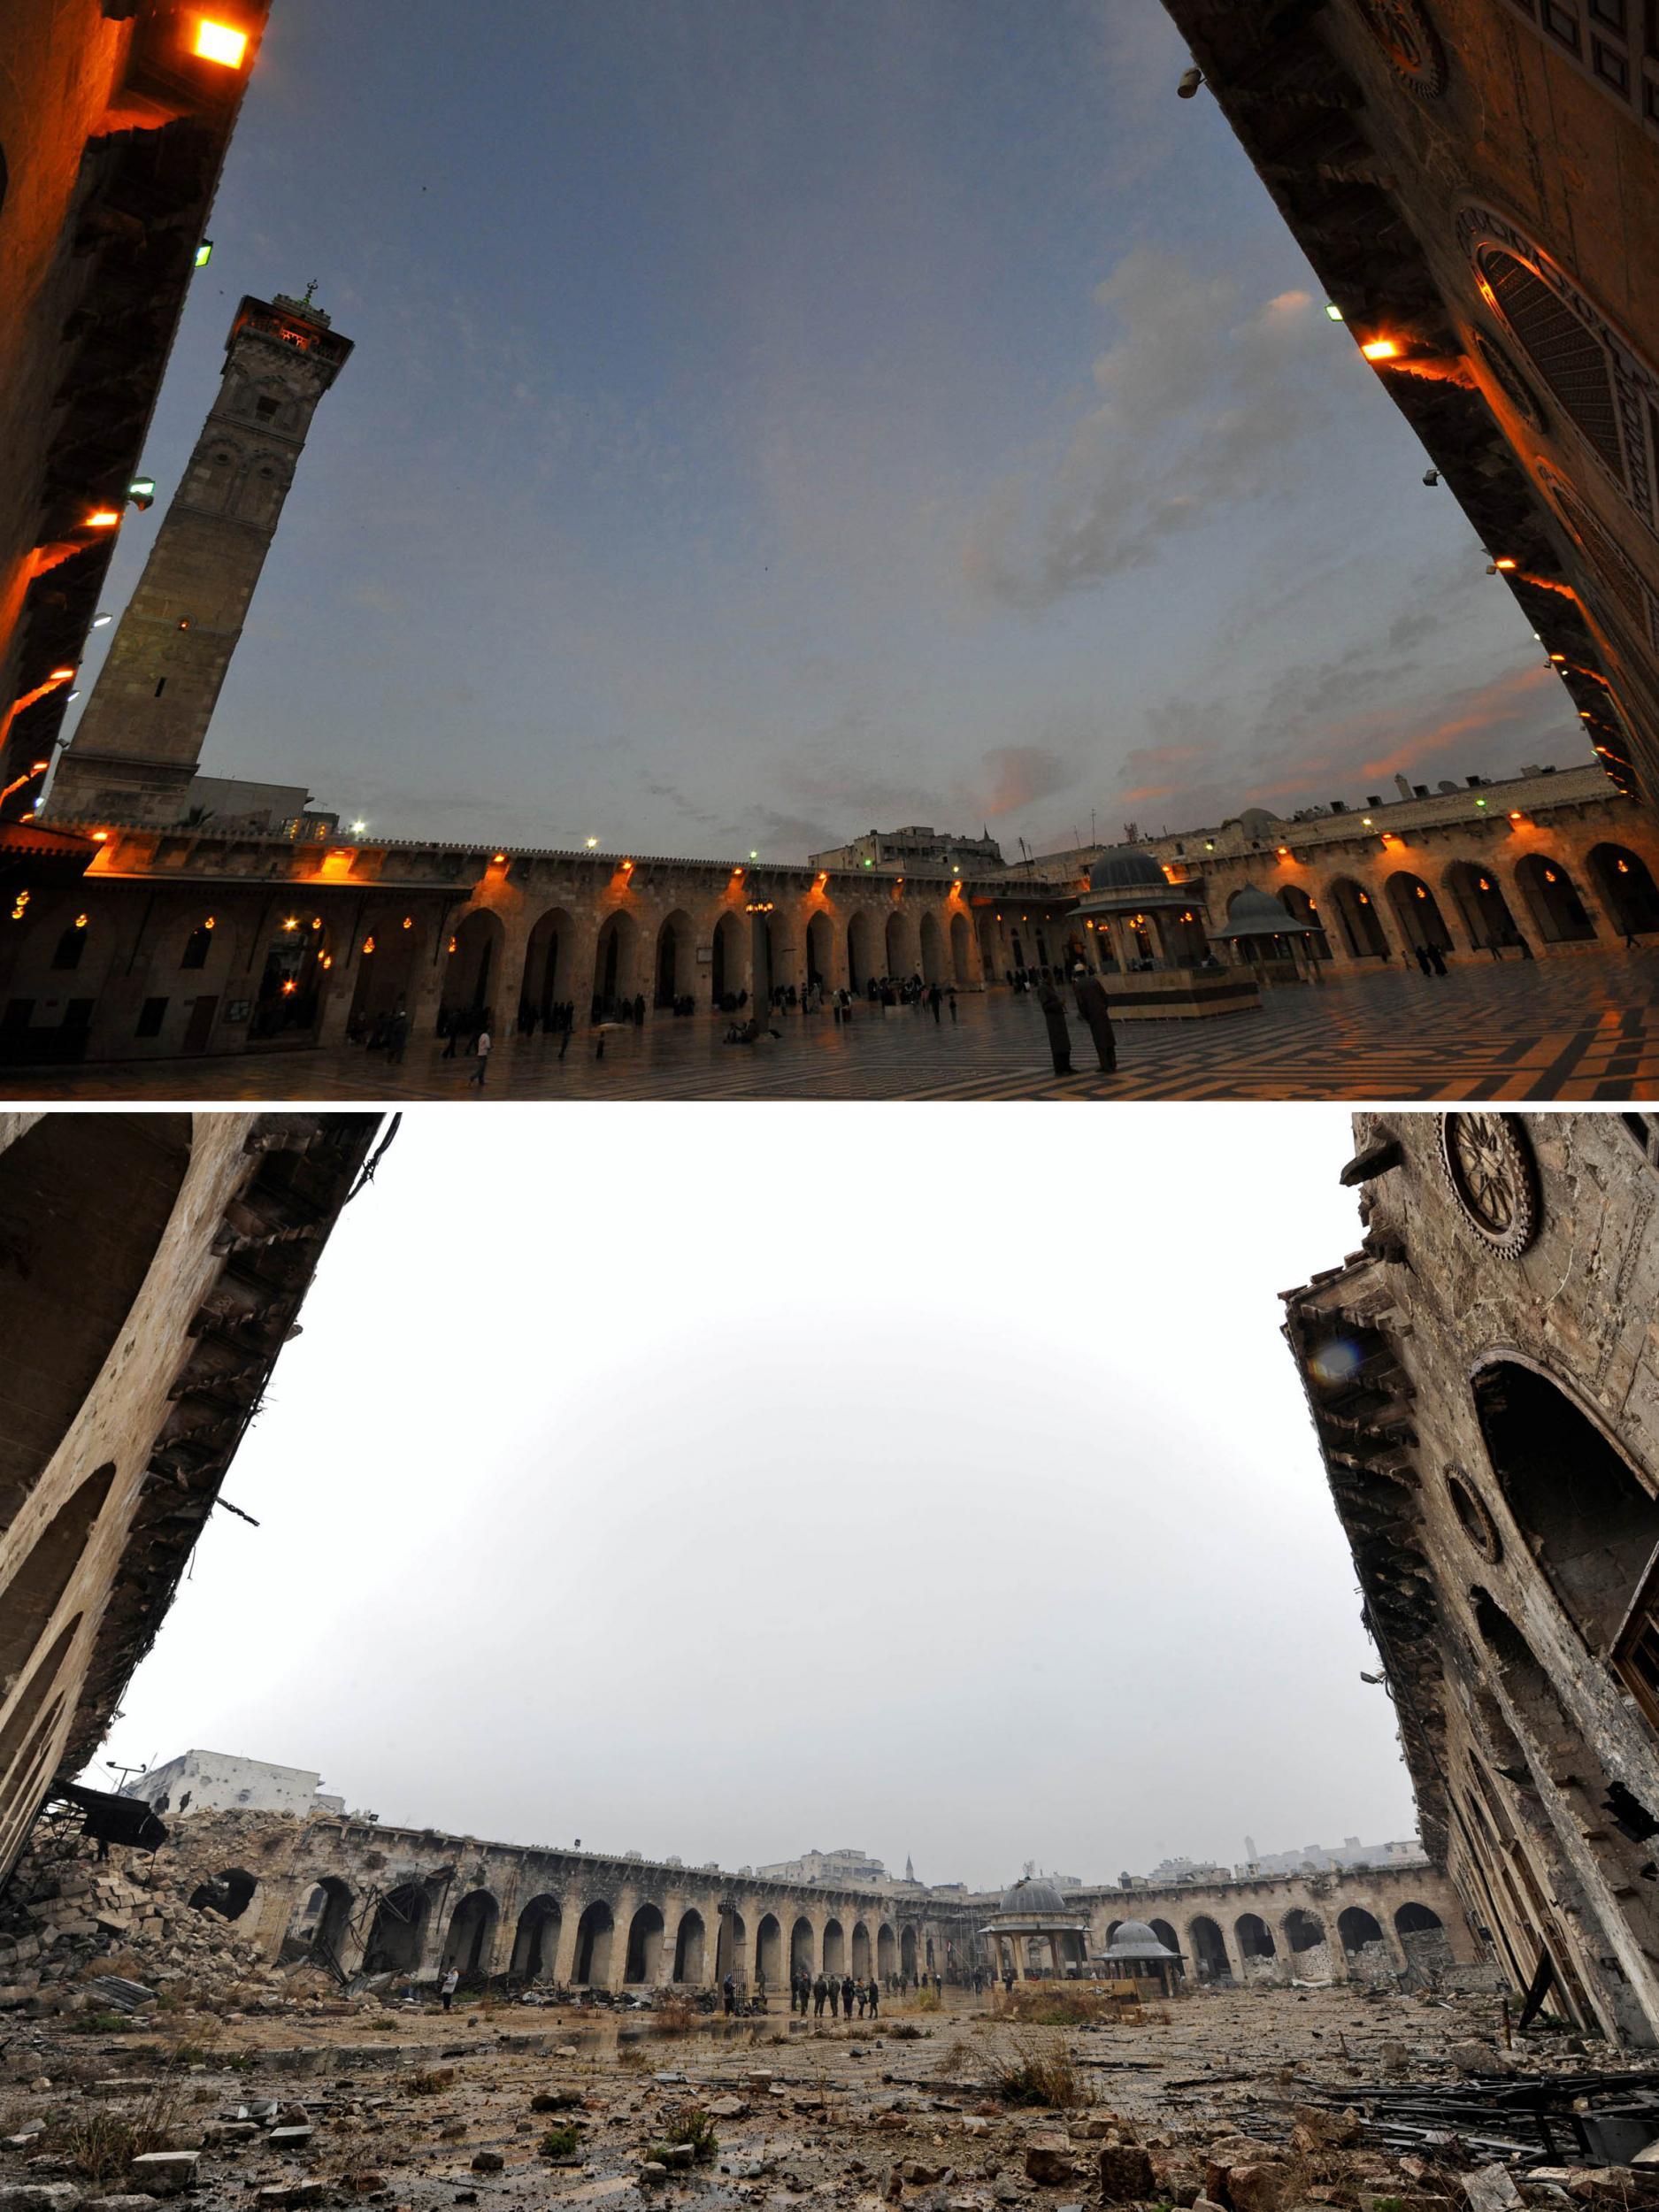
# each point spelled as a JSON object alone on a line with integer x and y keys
{"x": 1230, "y": 2101}
{"x": 68, "y": 1921}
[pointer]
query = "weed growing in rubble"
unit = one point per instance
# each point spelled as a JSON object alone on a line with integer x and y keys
{"x": 428, "y": 2084}
{"x": 561, "y": 2142}
{"x": 99, "y": 2024}
{"x": 907, "y": 2032}
{"x": 1035, "y": 2071}
{"x": 675, "y": 2016}
{"x": 692, "y": 2124}
{"x": 103, "y": 2144}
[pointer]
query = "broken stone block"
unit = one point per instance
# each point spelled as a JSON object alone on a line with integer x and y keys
{"x": 39, "y": 2196}
{"x": 653, "y": 2169}
{"x": 488, "y": 2162}
{"x": 920, "y": 2177}
{"x": 1049, "y": 2160}
{"x": 727, "y": 2107}
{"x": 1491, "y": 2189}
{"x": 1125, "y": 2173}
{"x": 1262, "y": 2186}
{"x": 290, "y": 2138}
{"x": 165, "y": 2171}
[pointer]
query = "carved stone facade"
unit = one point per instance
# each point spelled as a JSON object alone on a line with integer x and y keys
{"x": 1484, "y": 1378}
{"x": 151, "y": 1266}
{"x": 1477, "y": 184}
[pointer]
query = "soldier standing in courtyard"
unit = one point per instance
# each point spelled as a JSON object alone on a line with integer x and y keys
{"x": 1096, "y": 1009}
{"x": 848, "y": 1990}
{"x": 820, "y": 1990}
{"x": 1059, "y": 1035}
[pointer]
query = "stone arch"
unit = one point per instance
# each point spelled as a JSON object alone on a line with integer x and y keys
{"x": 1478, "y": 898}
{"x": 1112, "y": 1927}
{"x": 961, "y": 951}
{"x": 471, "y": 967}
{"x": 397, "y": 1935}
{"x": 1165, "y": 1934}
{"x": 1416, "y": 910}
{"x": 616, "y": 955}
{"x": 548, "y": 961}
{"x": 834, "y": 1947}
{"x": 79, "y": 1264}
{"x": 1422, "y": 1937}
{"x": 1547, "y": 886}
{"x": 1209, "y": 1949}
{"x": 820, "y": 950}
{"x": 1304, "y": 1931}
{"x": 690, "y": 1939}
{"x": 1302, "y": 906}
{"x": 802, "y": 1948}
{"x": 864, "y": 948}
{"x": 1254, "y": 1937}
{"x": 535, "y": 1940}
{"x": 1355, "y": 1927}
{"x": 860, "y": 1960}
{"x": 36, "y": 1586}
{"x": 676, "y": 958}
{"x": 42, "y": 1681}
{"x": 386, "y": 978}
{"x": 331, "y": 1921}
{"x": 934, "y": 969}
{"x": 769, "y": 1951}
{"x": 470, "y": 1943}
{"x": 907, "y": 1952}
{"x": 228, "y": 1893}
{"x": 1350, "y": 908}
{"x": 1585, "y": 1514}
{"x": 593, "y": 1933}
{"x": 886, "y": 1951}
{"x": 728, "y": 971}
{"x": 1627, "y": 888}
{"x": 644, "y": 1960}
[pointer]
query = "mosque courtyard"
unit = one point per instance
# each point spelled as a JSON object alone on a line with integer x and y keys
{"x": 1575, "y": 1026}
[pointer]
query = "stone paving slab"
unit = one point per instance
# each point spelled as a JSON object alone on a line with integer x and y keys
{"x": 1583, "y": 1027}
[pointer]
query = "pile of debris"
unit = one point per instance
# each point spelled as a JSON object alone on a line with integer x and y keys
{"x": 71, "y": 1928}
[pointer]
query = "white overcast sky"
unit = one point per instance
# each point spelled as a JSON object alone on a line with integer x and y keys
{"x": 727, "y": 1482}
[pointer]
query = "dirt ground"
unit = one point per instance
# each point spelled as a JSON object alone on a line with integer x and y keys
{"x": 407, "y": 2107}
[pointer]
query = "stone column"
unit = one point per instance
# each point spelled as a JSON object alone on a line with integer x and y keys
{"x": 563, "y": 1966}
{"x": 627, "y": 1905}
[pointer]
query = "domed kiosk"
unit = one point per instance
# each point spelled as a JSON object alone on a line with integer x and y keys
{"x": 1145, "y": 938}
{"x": 1135, "y": 1953}
{"x": 1272, "y": 941}
{"x": 1034, "y": 1916}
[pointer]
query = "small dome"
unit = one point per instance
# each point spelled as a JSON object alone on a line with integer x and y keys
{"x": 1133, "y": 1939}
{"x": 1126, "y": 870}
{"x": 1030, "y": 1900}
{"x": 1254, "y": 912}
{"x": 1256, "y": 821}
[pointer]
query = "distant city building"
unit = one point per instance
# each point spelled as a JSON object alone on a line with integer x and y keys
{"x": 895, "y": 850}
{"x": 1349, "y": 1853}
{"x": 220, "y": 1782}
{"x": 846, "y": 1869}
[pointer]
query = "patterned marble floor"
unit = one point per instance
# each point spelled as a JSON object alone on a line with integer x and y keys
{"x": 1581, "y": 1028}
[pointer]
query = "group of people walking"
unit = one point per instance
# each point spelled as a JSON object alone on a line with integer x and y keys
{"x": 840, "y": 1995}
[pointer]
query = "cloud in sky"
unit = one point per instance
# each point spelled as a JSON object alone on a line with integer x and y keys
{"x": 1195, "y": 405}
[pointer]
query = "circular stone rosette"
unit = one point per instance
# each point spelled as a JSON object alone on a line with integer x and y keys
{"x": 1489, "y": 1164}
{"x": 1402, "y": 29}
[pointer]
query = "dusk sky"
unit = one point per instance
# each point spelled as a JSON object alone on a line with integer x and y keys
{"x": 769, "y": 420}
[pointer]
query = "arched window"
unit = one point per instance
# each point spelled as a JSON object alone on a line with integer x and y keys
{"x": 1592, "y": 1525}
{"x": 70, "y": 946}
{"x": 198, "y": 945}
{"x": 1562, "y": 347}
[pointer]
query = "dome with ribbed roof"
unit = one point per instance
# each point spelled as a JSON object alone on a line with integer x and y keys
{"x": 1133, "y": 1939}
{"x": 1254, "y": 912}
{"x": 1126, "y": 869}
{"x": 1031, "y": 1899}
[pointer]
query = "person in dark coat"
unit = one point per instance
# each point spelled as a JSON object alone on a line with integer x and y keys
{"x": 1094, "y": 1006}
{"x": 820, "y": 1991}
{"x": 1059, "y": 1035}
{"x": 849, "y": 1990}
{"x": 874, "y": 1994}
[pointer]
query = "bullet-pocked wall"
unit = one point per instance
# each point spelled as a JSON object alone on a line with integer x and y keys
{"x": 1484, "y": 1381}
{"x": 150, "y": 1267}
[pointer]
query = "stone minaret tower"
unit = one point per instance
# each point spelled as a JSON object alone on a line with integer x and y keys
{"x": 133, "y": 756}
